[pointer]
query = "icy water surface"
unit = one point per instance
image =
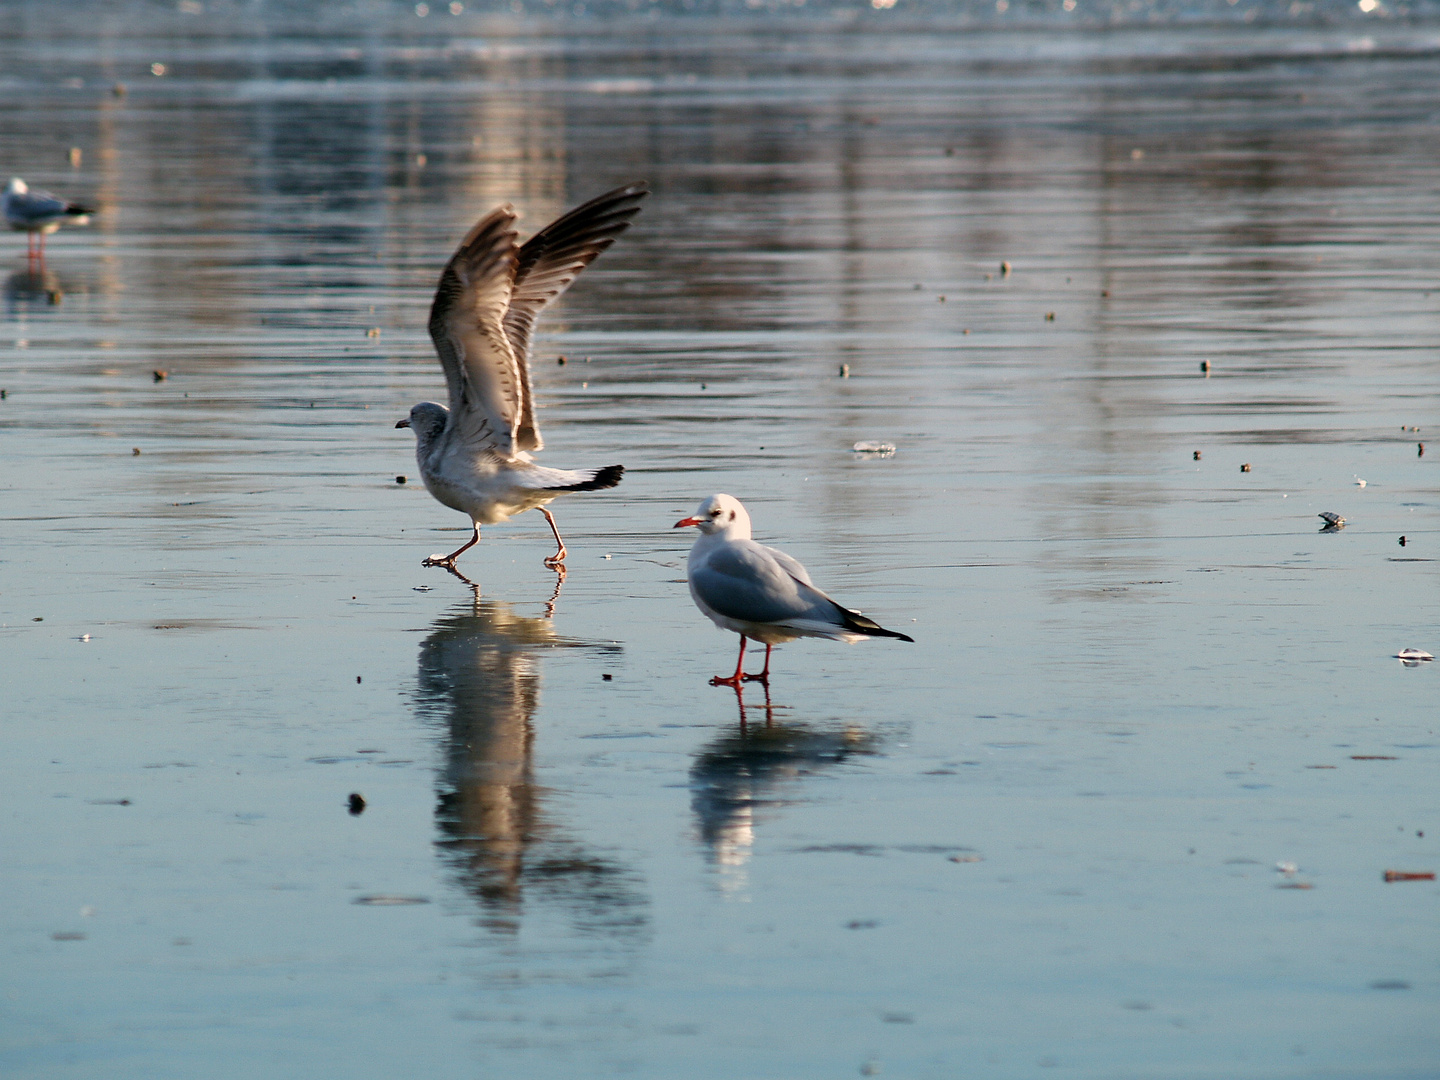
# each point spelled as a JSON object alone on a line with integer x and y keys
{"x": 1042, "y": 840}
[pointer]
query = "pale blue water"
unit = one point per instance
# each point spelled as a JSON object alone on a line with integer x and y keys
{"x": 1042, "y": 839}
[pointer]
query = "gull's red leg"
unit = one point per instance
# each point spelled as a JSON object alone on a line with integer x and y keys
{"x": 739, "y": 676}
{"x": 448, "y": 561}
{"x": 764, "y": 676}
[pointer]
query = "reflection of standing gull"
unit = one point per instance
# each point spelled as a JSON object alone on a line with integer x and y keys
{"x": 38, "y": 213}
{"x": 741, "y": 771}
{"x": 475, "y": 456}
{"x": 479, "y": 675}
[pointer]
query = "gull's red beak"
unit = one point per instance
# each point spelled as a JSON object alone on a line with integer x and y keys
{"x": 684, "y": 522}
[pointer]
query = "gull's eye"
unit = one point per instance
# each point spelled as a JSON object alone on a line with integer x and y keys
{"x": 715, "y": 512}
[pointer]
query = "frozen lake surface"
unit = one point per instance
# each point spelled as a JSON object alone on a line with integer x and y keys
{"x": 1044, "y": 839}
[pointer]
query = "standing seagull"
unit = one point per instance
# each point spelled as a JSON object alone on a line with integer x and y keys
{"x": 474, "y": 456}
{"x": 38, "y": 214}
{"x": 758, "y": 591}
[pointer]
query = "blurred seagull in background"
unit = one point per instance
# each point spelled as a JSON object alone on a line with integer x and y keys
{"x": 760, "y": 592}
{"x": 475, "y": 456}
{"x": 38, "y": 213}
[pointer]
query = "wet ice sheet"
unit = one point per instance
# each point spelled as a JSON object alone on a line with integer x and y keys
{"x": 1141, "y": 679}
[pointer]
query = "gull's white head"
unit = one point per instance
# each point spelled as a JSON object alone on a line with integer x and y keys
{"x": 721, "y": 514}
{"x": 17, "y": 187}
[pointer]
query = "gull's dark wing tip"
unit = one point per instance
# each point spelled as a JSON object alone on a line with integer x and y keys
{"x": 860, "y": 624}
{"x": 584, "y": 232}
{"x": 634, "y": 191}
{"x": 604, "y": 478}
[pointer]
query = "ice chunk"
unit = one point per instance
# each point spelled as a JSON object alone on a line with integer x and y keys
{"x": 884, "y": 449}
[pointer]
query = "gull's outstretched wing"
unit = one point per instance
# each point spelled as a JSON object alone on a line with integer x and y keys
{"x": 545, "y": 267}
{"x": 485, "y": 379}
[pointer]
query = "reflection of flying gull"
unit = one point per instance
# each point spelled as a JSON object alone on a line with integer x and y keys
{"x": 479, "y": 678}
{"x": 474, "y": 456}
{"x": 760, "y": 592}
{"x": 38, "y": 213}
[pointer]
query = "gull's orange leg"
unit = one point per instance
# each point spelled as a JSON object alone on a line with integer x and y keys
{"x": 555, "y": 560}
{"x": 448, "y": 561}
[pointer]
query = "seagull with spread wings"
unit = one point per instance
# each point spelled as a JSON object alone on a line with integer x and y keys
{"x": 475, "y": 456}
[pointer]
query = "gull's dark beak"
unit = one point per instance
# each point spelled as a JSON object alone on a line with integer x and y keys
{"x": 403, "y": 423}
{"x": 684, "y": 522}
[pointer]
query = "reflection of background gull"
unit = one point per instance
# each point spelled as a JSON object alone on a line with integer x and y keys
{"x": 24, "y": 288}
{"x": 480, "y": 675}
{"x": 742, "y": 771}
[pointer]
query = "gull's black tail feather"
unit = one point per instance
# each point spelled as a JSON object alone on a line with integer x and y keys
{"x": 859, "y": 624}
{"x": 607, "y": 477}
